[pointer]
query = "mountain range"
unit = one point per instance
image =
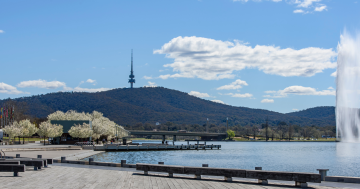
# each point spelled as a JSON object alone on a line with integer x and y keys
{"x": 128, "y": 106}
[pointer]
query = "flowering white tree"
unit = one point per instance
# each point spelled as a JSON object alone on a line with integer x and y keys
{"x": 81, "y": 131}
{"x": 100, "y": 124}
{"x": 27, "y": 128}
{"x": 12, "y": 130}
{"x": 46, "y": 129}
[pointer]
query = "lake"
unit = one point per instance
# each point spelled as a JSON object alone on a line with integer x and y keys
{"x": 343, "y": 159}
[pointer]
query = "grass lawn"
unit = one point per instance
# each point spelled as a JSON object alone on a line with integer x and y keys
{"x": 26, "y": 139}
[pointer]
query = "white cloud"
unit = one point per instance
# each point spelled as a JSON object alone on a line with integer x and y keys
{"x": 211, "y": 59}
{"x": 90, "y": 81}
{"x": 295, "y": 109}
{"x": 218, "y": 101}
{"x": 151, "y": 84}
{"x": 255, "y": 0}
{"x": 238, "y": 95}
{"x": 41, "y": 84}
{"x": 234, "y": 85}
{"x": 147, "y": 77}
{"x": 334, "y": 74}
{"x": 2, "y": 31}
{"x": 79, "y": 89}
{"x": 305, "y": 3}
{"x": 8, "y": 89}
{"x": 198, "y": 94}
{"x": 321, "y": 8}
{"x": 299, "y": 90}
{"x": 330, "y": 88}
{"x": 267, "y": 101}
{"x": 298, "y": 11}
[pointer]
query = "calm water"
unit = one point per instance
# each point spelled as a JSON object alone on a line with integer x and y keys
{"x": 343, "y": 159}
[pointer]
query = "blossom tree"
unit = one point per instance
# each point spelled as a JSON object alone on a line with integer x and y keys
{"x": 27, "y": 128}
{"x": 46, "y": 129}
{"x": 100, "y": 124}
{"x": 12, "y": 130}
{"x": 81, "y": 131}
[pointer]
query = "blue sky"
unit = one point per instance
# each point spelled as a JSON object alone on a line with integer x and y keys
{"x": 275, "y": 55}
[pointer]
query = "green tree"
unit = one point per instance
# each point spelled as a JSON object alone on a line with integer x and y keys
{"x": 230, "y": 133}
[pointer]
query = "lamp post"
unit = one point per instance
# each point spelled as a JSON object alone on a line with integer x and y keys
{"x": 207, "y": 125}
{"x": 227, "y": 125}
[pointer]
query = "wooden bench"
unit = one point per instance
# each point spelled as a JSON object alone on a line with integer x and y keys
{"x": 46, "y": 161}
{"x": 227, "y": 173}
{"x": 37, "y": 164}
{"x": 15, "y": 168}
{"x": 300, "y": 179}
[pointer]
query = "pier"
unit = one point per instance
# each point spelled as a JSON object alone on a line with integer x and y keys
{"x": 203, "y": 136}
{"x": 147, "y": 147}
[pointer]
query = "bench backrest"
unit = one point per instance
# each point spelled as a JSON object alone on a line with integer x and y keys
{"x": 255, "y": 174}
{"x": 36, "y": 163}
{"x": 160, "y": 168}
{"x": 12, "y": 168}
{"x": 10, "y": 162}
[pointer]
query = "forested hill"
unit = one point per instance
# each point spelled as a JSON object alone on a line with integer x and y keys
{"x": 317, "y": 112}
{"x": 130, "y": 106}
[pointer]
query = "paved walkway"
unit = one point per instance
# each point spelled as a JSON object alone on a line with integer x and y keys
{"x": 69, "y": 154}
{"x": 81, "y": 176}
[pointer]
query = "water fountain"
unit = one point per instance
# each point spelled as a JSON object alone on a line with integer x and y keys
{"x": 348, "y": 89}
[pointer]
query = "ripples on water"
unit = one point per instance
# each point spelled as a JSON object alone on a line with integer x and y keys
{"x": 341, "y": 158}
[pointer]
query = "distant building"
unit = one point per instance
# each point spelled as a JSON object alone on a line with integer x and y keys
{"x": 131, "y": 76}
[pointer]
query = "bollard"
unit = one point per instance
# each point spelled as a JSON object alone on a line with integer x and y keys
{"x": 39, "y": 156}
{"x": 161, "y": 163}
{"x": 323, "y": 173}
{"x": 17, "y": 155}
{"x": 91, "y": 160}
{"x": 123, "y": 163}
{"x": 258, "y": 168}
{"x": 63, "y": 159}
{"x": 205, "y": 165}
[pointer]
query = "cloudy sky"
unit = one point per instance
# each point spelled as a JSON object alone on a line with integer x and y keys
{"x": 278, "y": 55}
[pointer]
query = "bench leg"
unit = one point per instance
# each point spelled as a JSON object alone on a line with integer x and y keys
{"x": 198, "y": 177}
{"x": 16, "y": 174}
{"x": 35, "y": 168}
{"x": 171, "y": 175}
{"x": 39, "y": 167}
{"x": 146, "y": 173}
{"x": 228, "y": 179}
{"x": 301, "y": 184}
{"x": 263, "y": 181}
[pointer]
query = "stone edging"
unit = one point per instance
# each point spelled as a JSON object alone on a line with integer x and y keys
{"x": 95, "y": 163}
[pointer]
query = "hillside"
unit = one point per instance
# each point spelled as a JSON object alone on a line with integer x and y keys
{"x": 130, "y": 106}
{"x": 317, "y": 112}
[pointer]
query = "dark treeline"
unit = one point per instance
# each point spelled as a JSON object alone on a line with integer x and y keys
{"x": 280, "y": 131}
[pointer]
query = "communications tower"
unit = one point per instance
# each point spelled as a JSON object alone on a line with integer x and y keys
{"x": 131, "y": 76}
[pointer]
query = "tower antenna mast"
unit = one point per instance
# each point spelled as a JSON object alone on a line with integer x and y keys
{"x": 131, "y": 76}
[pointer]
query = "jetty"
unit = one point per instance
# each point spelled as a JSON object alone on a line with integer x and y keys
{"x": 149, "y": 147}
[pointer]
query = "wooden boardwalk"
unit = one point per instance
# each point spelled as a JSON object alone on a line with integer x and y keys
{"x": 97, "y": 177}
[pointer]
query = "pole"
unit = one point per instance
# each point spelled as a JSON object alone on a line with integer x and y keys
{"x": 227, "y": 125}
{"x": 207, "y": 125}
{"x": 266, "y": 127}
